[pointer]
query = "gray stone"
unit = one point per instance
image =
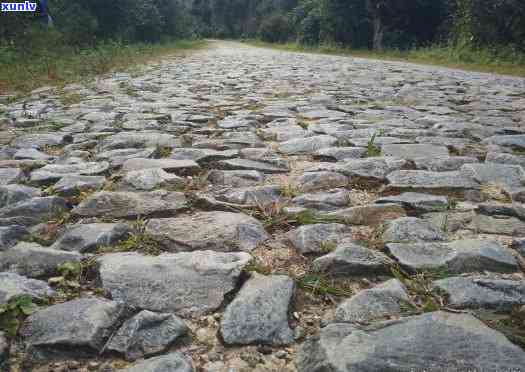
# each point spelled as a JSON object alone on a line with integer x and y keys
{"x": 264, "y": 155}
{"x": 444, "y": 164}
{"x": 316, "y": 181}
{"x": 33, "y": 211}
{"x": 146, "y": 333}
{"x": 10, "y": 235}
{"x": 13, "y": 285}
{"x": 420, "y": 203}
{"x": 4, "y": 350}
{"x": 152, "y": 178}
{"x": 74, "y": 185}
{"x": 478, "y": 292}
{"x": 340, "y": 153}
{"x": 11, "y": 194}
{"x": 307, "y": 145}
{"x": 72, "y": 327}
{"x": 510, "y": 177}
{"x": 174, "y": 362}
{"x": 127, "y": 140}
{"x": 371, "y": 169}
{"x": 54, "y": 172}
{"x": 382, "y": 301}
{"x": 187, "y": 283}
{"x": 181, "y": 167}
{"x": 41, "y": 140}
{"x": 256, "y": 196}
{"x": 259, "y": 312}
{"x": 217, "y": 231}
{"x": 452, "y": 342}
{"x": 410, "y": 229}
{"x": 245, "y": 164}
{"x": 373, "y": 214}
{"x": 503, "y": 158}
{"x": 351, "y": 260}
{"x": 319, "y": 237}
{"x": 31, "y": 154}
{"x": 460, "y": 256}
{"x": 413, "y": 151}
{"x": 324, "y": 201}
{"x": 516, "y": 142}
{"x": 86, "y": 238}
{"x": 500, "y": 225}
{"x": 11, "y": 175}
{"x": 118, "y": 157}
{"x": 203, "y": 156}
{"x": 519, "y": 245}
{"x": 34, "y": 261}
{"x": 235, "y": 178}
{"x": 406, "y": 180}
{"x": 131, "y": 204}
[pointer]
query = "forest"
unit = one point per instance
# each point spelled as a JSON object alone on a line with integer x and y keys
{"x": 356, "y": 23}
{"x": 494, "y": 28}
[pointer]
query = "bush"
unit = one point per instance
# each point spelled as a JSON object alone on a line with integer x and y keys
{"x": 275, "y": 29}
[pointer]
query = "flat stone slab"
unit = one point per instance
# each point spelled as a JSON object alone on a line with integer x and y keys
{"x": 318, "y": 238}
{"x": 153, "y": 178}
{"x": 510, "y": 177}
{"x": 146, "y": 333}
{"x": 131, "y": 204}
{"x": 235, "y": 178}
{"x": 126, "y": 140}
{"x": 72, "y": 327}
{"x": 406, "y": 180}
{"x": 217, "y": 231}
{"x": 372, "y": 214}
{"x": 516, "y": 142}
{"x": 259, "y": 312}
{"x": 478, "y": 292}
{"x": 41, "y": 140}
{"x": 74, "y": 185}
{"x": 11, "y": 235}
{"x": 255, "y": 196}
{"x": 86, "y": 238}
{"x": 13, "y": 285}
{"x": 54, "y": 172}
{"x": 119, "y": 156}
{"x": 324, "y": 180}
{"x": 12, "y": 194}
{"x": 33, "y": 211}
{"x": 413, "y": 151}
{"x": 382, "y": 301}
{"x": 460, "y": 256}
{"x": 451, "y": 341}
{"x": 351, "y": 260}
{"x": 308, "y": 145}
{"x": 11, "y": 175}
{"x": 411, "y": 229}
{"x": 324, "y": 201}
{"x": 34, "y": 261}
{"x": 187, "y": 283}
{"x": 245, "y": 164}
{"x": 418, "y": 202}
{"x": 174, "y": 362}
{"x": 183, "y": 167}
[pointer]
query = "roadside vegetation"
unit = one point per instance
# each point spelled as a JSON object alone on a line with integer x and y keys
{"x": 499, "y": 61}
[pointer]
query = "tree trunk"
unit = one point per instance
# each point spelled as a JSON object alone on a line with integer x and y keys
{"x": 379, "y": 31}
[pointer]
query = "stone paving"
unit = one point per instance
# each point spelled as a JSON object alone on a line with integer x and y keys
{"x": 243, "y": 209}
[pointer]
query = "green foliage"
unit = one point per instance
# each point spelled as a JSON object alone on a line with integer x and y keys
{"x": 12, "y": 314}
{"x": 372, "y": 149}
{"x": 320, "y": 285}
{"x": 275, "y": 29}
